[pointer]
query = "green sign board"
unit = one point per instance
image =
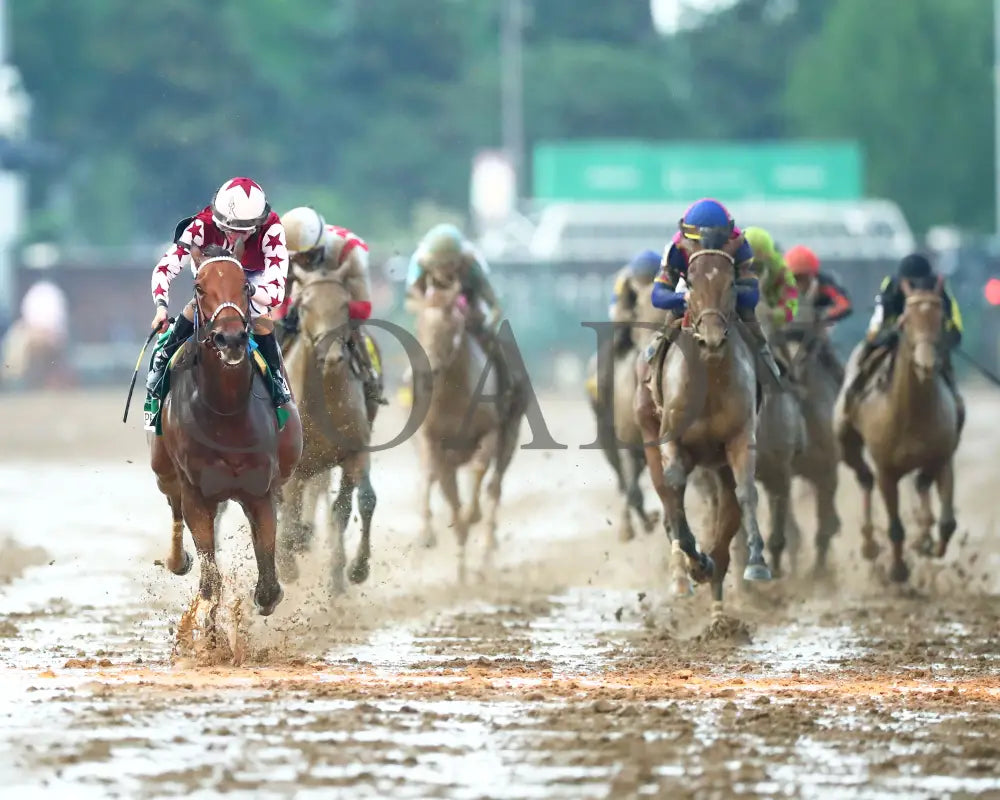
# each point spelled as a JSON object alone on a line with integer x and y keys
{"x": 635, "y": 171}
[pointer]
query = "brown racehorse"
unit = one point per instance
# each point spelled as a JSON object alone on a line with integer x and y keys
{"x": 702, "y": 412}
{"x": 458, "y": 430}
{"x": 220, "y": 434}
{"x": 338, "y": 427}
{"x": 909, "y": 420}
{"x": 617, "y": 427}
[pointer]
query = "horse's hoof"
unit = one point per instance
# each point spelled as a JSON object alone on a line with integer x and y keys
{"x": 186, "y": 563}
{"x": 626, "y": 534}
{"x": 337, "y": 585}
{"x": 651, "y": 521}
{"x": 704, "y": 571}
{"x": 899, "y": 572}
{"x": 756, "y": 572}
{"x": 359, "y": 571}
{"x": 428, "y": 541}
{"x": 870, "y": 550}
{"x": 265, "y": 609}
{"x": 472, "y": 517}
{"x": 682, "y": 588}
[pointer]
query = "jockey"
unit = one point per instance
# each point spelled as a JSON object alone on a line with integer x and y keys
{"x": 708, "y": 217}
{"x": 312, "y": 244}
{"x": 828, "y": 297}
{"x": 445, "y": 255}
{"x": 889, "y": 305}
{"x": 777, "y": 282}
{"x": 240, "y": 219}
{"x": 639, "y": 272}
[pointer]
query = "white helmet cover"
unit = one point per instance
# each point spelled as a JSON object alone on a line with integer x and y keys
{"x": 304, "y": 228}
{"x": 240, "y": 205}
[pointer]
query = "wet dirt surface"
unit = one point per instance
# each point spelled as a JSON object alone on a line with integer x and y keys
{"x": 565, "y": 670}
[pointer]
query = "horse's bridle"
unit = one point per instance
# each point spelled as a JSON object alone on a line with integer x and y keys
{"x": 708, "y": 312}
{"x": 934, "y": 299}
{"x": 209, "y": 340}
{"x": 331, "y": 334}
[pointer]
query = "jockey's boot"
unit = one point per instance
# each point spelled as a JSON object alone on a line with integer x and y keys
{"x": 178, "y": 334}
{"x": 287, "y": 327}
{"x": 749, "y": 318}
{"x": 268, "y": 347}
{"x": 372, "y": 378}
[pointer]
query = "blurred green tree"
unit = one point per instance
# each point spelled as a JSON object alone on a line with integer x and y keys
{"x": 912, "y": 81}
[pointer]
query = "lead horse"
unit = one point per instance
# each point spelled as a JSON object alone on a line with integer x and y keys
{"x": 909, "y": 420}
{"x": 221, "y": 438}
{"x": 701, "y": 410}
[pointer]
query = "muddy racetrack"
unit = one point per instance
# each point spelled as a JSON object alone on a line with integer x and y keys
{"x": 566, "y": 671}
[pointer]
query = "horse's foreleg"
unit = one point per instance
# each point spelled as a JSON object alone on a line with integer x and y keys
{"x": 827, "y": 518}
{"x": 637, "y": 460}
{"x": 852, "y": 448}
{"x": 429, "y": 475}
{"x": 728, "y": 521}
{"x": 946, "y": 494}
{"x": 263, "y": 518}
{"x": 449, "y": 487}
{"x": 888, "y": 484}
{"x": 677, "y": 467}
{"x": 340, "y": 517}
{"x": 741, "y": 457}
{"x": 291, "y": 537}
{"x": 484, "y": 456}
{"x": 778, "y": 491}
{"x": 366, "y": 504}
{"x": 179, "y": 561}
{"x": 925, "y": 514}
{"x": 626, "y": 532}
{"x": 199, "y": 515}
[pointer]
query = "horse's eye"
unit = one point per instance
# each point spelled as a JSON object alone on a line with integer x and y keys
{"x": 198, "y": 289}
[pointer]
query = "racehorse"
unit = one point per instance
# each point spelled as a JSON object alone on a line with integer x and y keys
{"x": 908, "y": 419}
{"x": 701, "y": 410}
{"x": 220, "y": 434}
{"x": 781, "y": 438}
{"x": 457, "y": 429}
{"x": 618, "y": 424}
{"x": 337, "y": 424}
{"x": 819, "y": 380}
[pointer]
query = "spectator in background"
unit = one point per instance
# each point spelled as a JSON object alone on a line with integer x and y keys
{"x": 34, "y": 348}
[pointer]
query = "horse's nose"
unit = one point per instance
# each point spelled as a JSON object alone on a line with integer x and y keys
{"x": 233, "y": 340}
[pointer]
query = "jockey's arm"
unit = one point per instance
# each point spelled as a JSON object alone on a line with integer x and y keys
{"x": 357, "y": 279}
{"x": 788, "y": 295}
{"x": 269, "y": 289}
{"x": 834, "y": 298}
{"x": 478, "y": 277}
{"x": 178, "y": 255}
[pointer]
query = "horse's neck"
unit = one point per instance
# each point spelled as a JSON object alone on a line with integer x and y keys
{"x": 224, "y": 389}
{"x": 911, "y": 398}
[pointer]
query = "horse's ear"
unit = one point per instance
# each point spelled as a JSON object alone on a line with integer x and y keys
{"x": 906, "y": 287}
{"x": 685, "y": 244}
{"x": 300, "y": 275}
{"x": 939, "y": 285}
{"x": 196, "y": 255}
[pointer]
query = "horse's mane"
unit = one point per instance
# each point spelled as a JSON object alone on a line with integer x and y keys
{"x": 216, "y": 251}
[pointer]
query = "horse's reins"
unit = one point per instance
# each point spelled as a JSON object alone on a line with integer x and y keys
{"x": 208, "y": 340}
{"x": 316, "y": 342}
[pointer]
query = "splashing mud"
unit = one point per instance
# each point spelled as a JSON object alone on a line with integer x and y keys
{"x": 565, "y": 670}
